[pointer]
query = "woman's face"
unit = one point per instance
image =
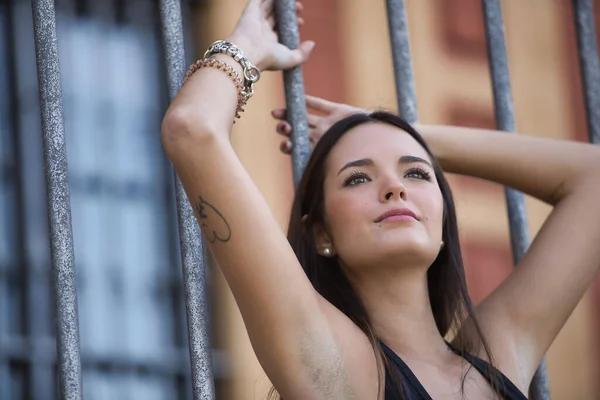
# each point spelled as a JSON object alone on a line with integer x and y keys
{"x": 373, "y": 169}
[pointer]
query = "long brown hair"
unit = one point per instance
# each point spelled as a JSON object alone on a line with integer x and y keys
{"x": 448, "y": 295}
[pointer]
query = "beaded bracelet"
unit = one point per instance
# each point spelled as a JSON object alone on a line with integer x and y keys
{"x": 251, "y": 74}
{"x": 228, "y": 69}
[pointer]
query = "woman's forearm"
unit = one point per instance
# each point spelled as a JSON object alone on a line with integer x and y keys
{"x": 547, "y": 169}
{"x": 204, "y": 105}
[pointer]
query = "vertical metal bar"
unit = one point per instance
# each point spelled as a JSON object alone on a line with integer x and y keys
{"x": 187, "y": 393}
{"x": 8, "y": 60}
{"x": 180, "y": 331}
{"x": 403, "y": 72}
{"x": 172, "y": 237}
{"x": 192, "y": 254}
{"x": 505, "y": 121}
{"x": 295, "y": 99}
{"x": 59, "y": 207}
{"x": 33, "y": 277}
{"x": 588, "y": 61}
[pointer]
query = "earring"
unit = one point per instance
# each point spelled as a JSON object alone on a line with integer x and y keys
{"x": 326, "y": 251}
{"x": 442, "y": 245}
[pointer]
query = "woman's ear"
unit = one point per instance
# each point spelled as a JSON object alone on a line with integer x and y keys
{"x": 323, "y": 241}
{"x": 303, "y": 223}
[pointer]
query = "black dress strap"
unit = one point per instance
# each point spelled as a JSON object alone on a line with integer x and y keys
{"x": 418, "y": 392}
{"x": 507, "y": 389}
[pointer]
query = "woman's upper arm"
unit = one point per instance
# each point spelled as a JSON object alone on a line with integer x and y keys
{"x": 526, "y": 312}
{"x": 288, "y": 327}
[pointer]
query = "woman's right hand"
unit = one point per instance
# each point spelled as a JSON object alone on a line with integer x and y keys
{"x": 255, "y": 34}
{"x": 318, "y": 124}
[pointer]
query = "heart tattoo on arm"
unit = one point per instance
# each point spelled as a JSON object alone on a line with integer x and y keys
{"x": 212, "y": 222}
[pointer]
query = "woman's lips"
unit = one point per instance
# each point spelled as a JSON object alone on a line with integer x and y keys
{"x": 397, "y": 214}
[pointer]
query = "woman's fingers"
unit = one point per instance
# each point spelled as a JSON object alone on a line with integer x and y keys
{"x": 313, "y": 120}
{"x": 299, "y": 9}
{"x": 287, "y": 59}
{"x": 314, "y": 136}
{"x": 268, "y": 7}
{"x": 284, "y": 128}
{"x": 312, "y": 102}
{"x": 286, "y": 146}
{"x": 280, "y": 113}
{"x": 319, "y": 104}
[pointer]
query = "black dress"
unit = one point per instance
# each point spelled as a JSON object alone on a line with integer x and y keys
{"x": 416, "y": 391}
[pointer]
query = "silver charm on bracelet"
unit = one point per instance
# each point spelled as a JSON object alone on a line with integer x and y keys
{"x": 251, "y": 72}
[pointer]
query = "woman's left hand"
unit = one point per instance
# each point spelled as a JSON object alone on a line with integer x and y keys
{"x": 255, "y": 35}
{"x": 330, "y": 113}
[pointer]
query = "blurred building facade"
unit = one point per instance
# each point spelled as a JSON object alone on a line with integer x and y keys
{"x": 132, "y": 320}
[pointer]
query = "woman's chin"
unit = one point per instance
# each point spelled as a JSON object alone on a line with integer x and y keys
{"x": 414, "y": 253}
{"x": 419, "y": 254}
{"x": 406, "y": 242}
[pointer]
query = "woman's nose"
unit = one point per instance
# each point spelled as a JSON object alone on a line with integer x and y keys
{"x": 393, "y": 190}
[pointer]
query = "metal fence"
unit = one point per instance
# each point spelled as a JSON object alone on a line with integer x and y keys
{"x": 68, "y": 360}
{"x": 131, "y": 310}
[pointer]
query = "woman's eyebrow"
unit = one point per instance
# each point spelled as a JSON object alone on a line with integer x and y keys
{"x": 414, "y": 159}
{"x": 369, "y": 162}
{"x": 358, "y": 163}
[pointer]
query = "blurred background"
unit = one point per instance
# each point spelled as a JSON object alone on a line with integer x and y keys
{"x": 130, "y": 292}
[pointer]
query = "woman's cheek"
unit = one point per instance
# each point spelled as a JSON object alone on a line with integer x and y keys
{"x": 345, "y": 213}
{"x": 431, "y": 207}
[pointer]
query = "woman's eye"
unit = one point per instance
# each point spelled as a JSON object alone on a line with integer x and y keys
{"x": 418, "y": 173}
{"x": 356, "y": 179}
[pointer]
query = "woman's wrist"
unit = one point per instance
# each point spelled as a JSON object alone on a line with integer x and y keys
{"x": 250, "y": 51}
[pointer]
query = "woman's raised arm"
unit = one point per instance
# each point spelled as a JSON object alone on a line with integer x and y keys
{"x": 287, "y": 325}
{"x": 529, "y": 308}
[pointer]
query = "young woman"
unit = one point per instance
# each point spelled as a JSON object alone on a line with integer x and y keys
{"x": 367, "y": 299}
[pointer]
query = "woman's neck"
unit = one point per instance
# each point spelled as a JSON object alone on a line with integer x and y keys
{"x": 397, "y": 301}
